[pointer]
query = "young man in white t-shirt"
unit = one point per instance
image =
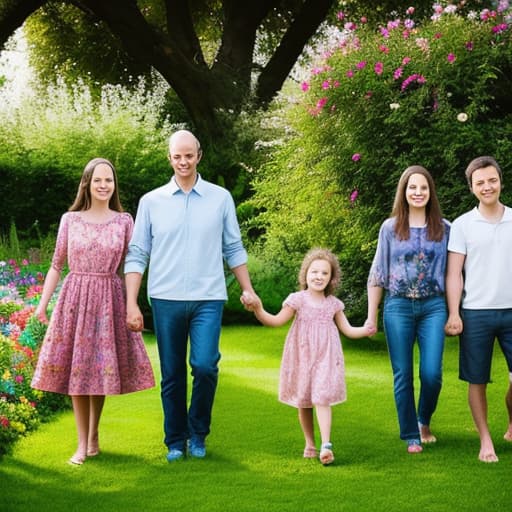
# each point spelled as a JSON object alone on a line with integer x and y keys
{"x": 479, "y": 273}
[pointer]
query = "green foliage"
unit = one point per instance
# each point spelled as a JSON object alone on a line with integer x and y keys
{"x": 46, "y": 141}
{"x": 435, "y": 95}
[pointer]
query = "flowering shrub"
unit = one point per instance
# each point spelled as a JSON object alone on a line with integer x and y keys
{"x": 21, "y": 407}
{"x": 432, "y": 92}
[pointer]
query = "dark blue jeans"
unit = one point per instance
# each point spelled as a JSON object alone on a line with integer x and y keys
{"x": 405, "y": 321}
{"x": 177, "y": 322}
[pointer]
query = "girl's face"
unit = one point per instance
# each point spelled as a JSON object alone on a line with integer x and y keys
{"x": 318, "y": 275}
{"x": 102, "y": 183}
{"x": 417, "y": 192}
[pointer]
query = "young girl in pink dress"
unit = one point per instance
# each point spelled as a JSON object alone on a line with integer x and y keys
{"x": 312, "y": 371}
{"x": 88, "y": 351}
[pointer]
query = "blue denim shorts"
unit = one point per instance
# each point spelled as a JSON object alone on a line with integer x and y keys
{"x": 481, "y": 328}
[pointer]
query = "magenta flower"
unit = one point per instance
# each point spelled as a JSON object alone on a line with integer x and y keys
{"x": 469, "y": 46}
{"x": 384, "y": 32}
{"x": 451, "y": 58}
{"x": 420, "y": 79}
{"x": 356, "y": 157}
{"x": 378, "y": 68}
{"x": 350, "y": 73}
{"x": 321, "y": 103}
{"x": 326, "y": 84}
{"x": 361, "y": 64}
{"x": 19, "y": 379}
{"x": 340, "y": 15}
{"x": 499, "y": 28}
{"x": 383, "y": 48}
{"x": 305, "y": 86}
{"x": 350, "y": 26}
{"x": 406, "y": 61}
{"x": 409, "y": 11}
{"x": 398, "y": 73}
{"x": 354, "y": 195}
{"x": 363, "y": 19}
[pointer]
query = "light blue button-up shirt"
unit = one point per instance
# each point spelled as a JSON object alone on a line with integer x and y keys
{"x": 185, "y": 237}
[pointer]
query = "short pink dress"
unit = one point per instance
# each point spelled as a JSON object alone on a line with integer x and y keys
{"x": 88, "y": 350}
{"x": 312, "y": 367}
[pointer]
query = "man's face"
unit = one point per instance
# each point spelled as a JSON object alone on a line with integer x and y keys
{"x": 184, "y": 156}
{"x": 486, "y": 185}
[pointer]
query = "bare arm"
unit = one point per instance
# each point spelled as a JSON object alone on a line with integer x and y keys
{"x": 50, "y": 284}
{"x": 134, "y": 318}
{"x": 374, "y": 299}
{"x": 454, "y": 288}
{"x": 268, "y": 319}
{"x": 349, "y": 330}
{"x": 242, "y": 276}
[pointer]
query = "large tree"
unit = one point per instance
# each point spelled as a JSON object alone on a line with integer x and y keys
{"x": 212, "y": 90}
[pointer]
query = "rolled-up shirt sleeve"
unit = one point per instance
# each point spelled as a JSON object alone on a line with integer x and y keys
{"x": 233, "y": 250}
{"x": 139, "y": 248}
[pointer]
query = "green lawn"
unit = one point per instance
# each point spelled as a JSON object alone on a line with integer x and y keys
{"x": 254, "y": 460}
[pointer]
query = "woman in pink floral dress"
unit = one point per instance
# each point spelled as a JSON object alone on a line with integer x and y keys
{"x": 88, "y": 351}
{"x": 312, "y": 368}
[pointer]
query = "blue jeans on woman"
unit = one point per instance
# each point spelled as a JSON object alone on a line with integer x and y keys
{"x": 405, "y": 321}
{"x": 175, "y": 323}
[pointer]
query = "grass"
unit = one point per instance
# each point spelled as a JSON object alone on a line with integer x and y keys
{"x": 254, "y": 459}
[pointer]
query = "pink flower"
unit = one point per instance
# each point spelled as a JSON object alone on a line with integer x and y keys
{"x": 356, "y": 157}
{"x": 379, "y": 68}
{"x": 350, "y": 26}
{"x": 383, "y": 48}
{"x": 321, "y": 103}
{"x": 361, "y": 64}
{"x": 340, "y": 15}
{"x": 406, "y": 61}
{"x": 19, "y": 379}
{"x": 326, "y": 84}
{"x": 398, "y": 73}
{"x": 354, "y": 195}
{"x": 24, "y": 262}
{"x": 499, "y": 28}
{"x": 305, "y": 86}
{"x": 363, "y": 19}
{"x": 409, "y": 11}
{"x": 384, "y": 32}
{"x": 350, "y": 73}
{"x": 451, "y": 58}
{"x": 438, "y": 35}
{"x": 469, "y": 46}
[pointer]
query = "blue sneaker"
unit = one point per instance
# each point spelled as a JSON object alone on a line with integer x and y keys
{"x": 175, "y": 454}
{"x": 196, "y": 448}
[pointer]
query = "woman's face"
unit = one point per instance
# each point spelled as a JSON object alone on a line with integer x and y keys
{"x": 417, "y": 191}
{"x": 102, "y": 183}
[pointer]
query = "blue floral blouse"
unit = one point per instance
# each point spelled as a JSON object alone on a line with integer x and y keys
{"x": 413, "y": 268}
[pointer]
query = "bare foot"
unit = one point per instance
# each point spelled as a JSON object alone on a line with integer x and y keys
{"x": 77, "y": 459}
{"x": 426, "y": 435}
{"x": 487, "y": 453}
{"x": 310, "y": 452}
{"x": 93, "y": 447}
{"x": 508, "y": 434}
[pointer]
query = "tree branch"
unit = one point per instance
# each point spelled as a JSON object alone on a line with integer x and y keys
{"x": 13, "y": 13}
{"x": 279, "y": 66}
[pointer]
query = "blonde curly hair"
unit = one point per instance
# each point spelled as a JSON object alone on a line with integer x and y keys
{"x": 318, "y": 253}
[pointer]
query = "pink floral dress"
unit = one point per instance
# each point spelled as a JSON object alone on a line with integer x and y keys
{"x": 88, "y": 350}
{"x": 312, "y": 367}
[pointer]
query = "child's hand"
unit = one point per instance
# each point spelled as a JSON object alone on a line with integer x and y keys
{"x": 370, "y": 327}
{"x": 250, "y": 301}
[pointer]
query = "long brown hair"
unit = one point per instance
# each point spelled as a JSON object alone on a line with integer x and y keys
{"x": 434, "y": 217}
{"x": 83, "y": 196}
{"x": 321, "y": 254}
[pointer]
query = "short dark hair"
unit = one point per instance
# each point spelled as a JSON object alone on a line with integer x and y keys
{"x": 479, "y": 163}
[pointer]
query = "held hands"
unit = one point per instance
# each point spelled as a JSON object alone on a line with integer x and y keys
{"x": 370, "y": 327}
{"x": 134, "y": 319}
{"x": 250, "y": 301}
